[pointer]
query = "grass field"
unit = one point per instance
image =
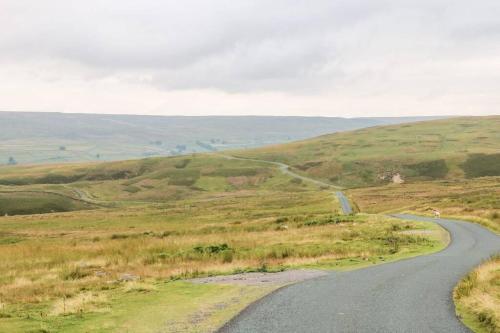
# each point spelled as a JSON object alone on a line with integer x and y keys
{"x": 64, "y": 270}
{"x": 475, "y": 200}
{"x": 79, "y": 258}
{"x": 142, "y": 181}
{"x": 477, "y": 297}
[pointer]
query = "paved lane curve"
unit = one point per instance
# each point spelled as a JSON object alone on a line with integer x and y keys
{"x": 344, "y": 203}
{"x": 412, "y": 295}
{"x": 284, "y": 168}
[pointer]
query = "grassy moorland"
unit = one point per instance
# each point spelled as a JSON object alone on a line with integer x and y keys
{"x": 477, "y": 297}
{"x": 157, "y": 221}
{"x": 455, "y": 148}
{"x": 59, "y": 270}
{"x": 100, "y": 247}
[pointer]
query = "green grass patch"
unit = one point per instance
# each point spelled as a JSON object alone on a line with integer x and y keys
{"x": 142, "y": 308}
{"x": 22, "y": 203}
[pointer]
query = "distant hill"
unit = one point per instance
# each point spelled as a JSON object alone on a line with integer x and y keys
{"x": 456, "y": 148}
{"x": 34, "y": 137}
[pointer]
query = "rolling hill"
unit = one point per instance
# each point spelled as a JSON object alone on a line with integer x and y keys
{"x": 458, "y": 148}
{"x": 451, "y": 149}
{"x": 37, "y": 137}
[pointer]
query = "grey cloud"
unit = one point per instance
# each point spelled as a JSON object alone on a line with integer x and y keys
{"x": 238, "y": 46}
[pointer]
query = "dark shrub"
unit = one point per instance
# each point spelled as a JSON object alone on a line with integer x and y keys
{"x": 212, "y": 249}
{"x": 482, "y": 165}
{"x": 430, "y": 169}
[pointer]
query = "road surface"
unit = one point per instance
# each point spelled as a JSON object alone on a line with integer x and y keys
{"x": 412, "y": 295}
{"x": 344, "y": 203}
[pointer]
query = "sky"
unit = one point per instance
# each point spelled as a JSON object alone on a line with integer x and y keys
{"x": 347, "y": 58}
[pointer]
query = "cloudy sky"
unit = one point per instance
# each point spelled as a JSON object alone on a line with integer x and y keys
{"x": 199, "y": 57}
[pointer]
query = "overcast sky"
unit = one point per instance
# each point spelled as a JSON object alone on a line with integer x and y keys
{"x": 332, "y": 58}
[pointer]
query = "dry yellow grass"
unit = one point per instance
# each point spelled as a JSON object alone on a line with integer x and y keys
{"x": 80, "y": 303}
{"x": 477, "y": 297}
{"x": 473, "y": 199}
{"x": 53, "y": 256}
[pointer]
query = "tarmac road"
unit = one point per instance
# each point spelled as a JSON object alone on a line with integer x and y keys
{"x": 344, "y": 203}
{"x": 412, "y": 295}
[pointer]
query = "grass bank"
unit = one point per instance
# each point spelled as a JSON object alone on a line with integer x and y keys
{"x": 477, "y": 297}
{"x": 474, "y": 200}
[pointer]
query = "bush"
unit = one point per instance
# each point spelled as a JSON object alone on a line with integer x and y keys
{"x": 216, "y": 248}
{"x": 395, "y": 227}
{"x": 482, "y": 165}
{"x": 212, "y": 249}
{"x": 227, "y": 256}
{"x": 394, "y": 243}
{"x": 119, "y": 236}
{"x": 281, "y": 219}
{"x": 430, "y": 169}
{"x": 330, "y": 220}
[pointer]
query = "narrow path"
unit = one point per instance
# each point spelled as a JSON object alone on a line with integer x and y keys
{"x": 284, "y": 168}
{"x": 413, "y": 295}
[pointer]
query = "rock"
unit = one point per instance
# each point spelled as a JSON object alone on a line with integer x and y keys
{"x": 397, "y": 179}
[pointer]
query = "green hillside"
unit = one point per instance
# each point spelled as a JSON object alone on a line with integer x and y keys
{"x": 33, "y": 202}
{"x": 457, "y": 148}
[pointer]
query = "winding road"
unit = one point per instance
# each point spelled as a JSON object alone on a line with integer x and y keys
{"x": 412, "y": 295}
{"x": 285, "y": 168}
